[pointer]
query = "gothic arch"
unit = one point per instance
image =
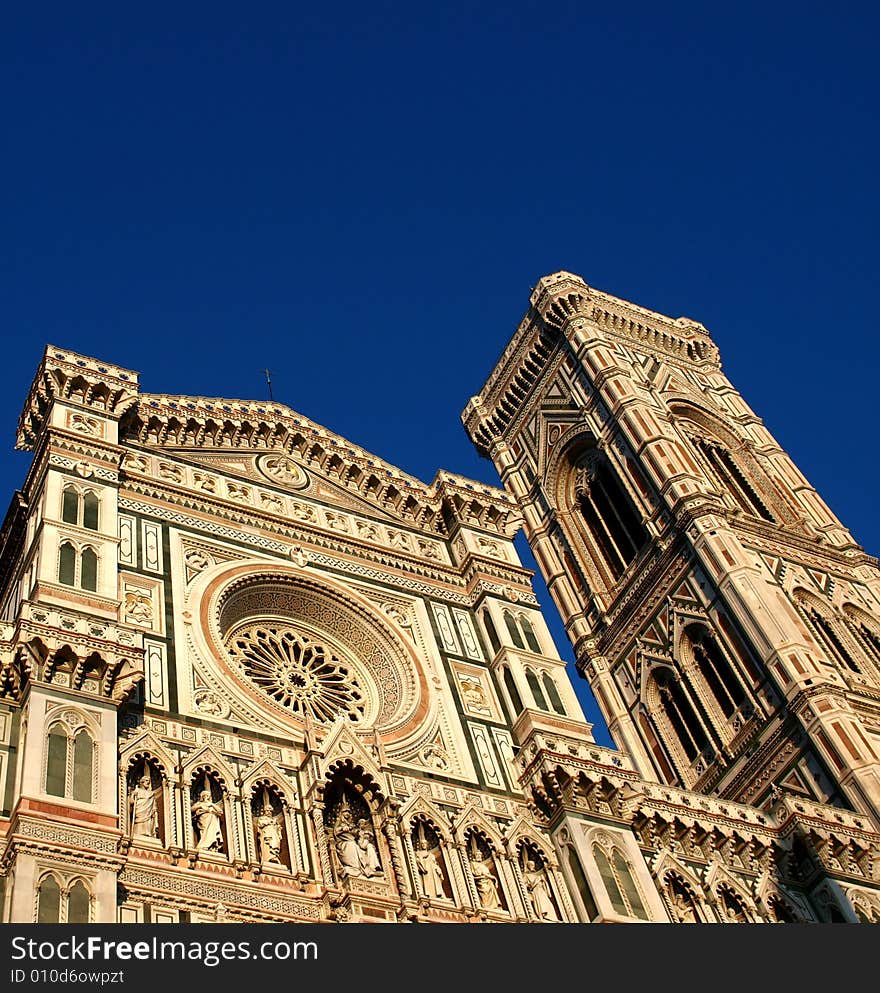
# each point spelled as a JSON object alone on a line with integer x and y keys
{"x": 731, "y": 460}
{"x": 830, "y": 631}
{"x": 604, "y": 517}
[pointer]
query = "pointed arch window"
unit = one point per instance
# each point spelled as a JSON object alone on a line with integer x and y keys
{"x": 581, "y": 884}
{"x": 827, "y": 635}
{"x": 489, "y": 625}
{"x": 513, "y": 630}
{"x": 683, "y": 719}
{"x": 49, "y": 901}
{"x": 78, "y": 902}
{"x": 553, "y": 694}
{"x": 529, "y": 634}
{"x": 620, "y": 883}
{"x": 80, "y": 508}
{"x": 70, "y": 763}
{"x": 512, "y": 691}
{"x": 733, "y": 478}
{"x": 609, "y": 513}
{"x": 78, "y": 567}
{"x": 716, "y": 671}
{"x": 537, "y": 692}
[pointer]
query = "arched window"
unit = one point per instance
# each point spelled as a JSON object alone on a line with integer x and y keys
{"x": 867, "y": 638}
{"x": 83, "y": 750}
{"x": 70, "y": 505}
{"x": 529, "y": 633}
{"x": 553, "y": 694}
{"x": 49, "y": 901}
{"x": 580, "y": 881}
{"x": 628, "y": 884}
{"x": 512, "y": 691}
{"x": 513, "y": 630}
{"x": 537, "y": 692}
{"x": 620, "y": 883}
{"x": 90, "y": 511}
{"x": 610, "y": 881}
{"x": 89, "y": 570}
{"x": 78, "y": 508}
{"x": 489, "y": 625}
{"x": 56, "y": 762}
{"x": 733, "y": 478}
{"x": 683, "y": 719}
{"x": 70, "y": 763}
{"x": 78, "y": 568}
{"x": 610, "y": 515}
{"x": 716, "y": 671}
{"x": 828, "y": 637}
{"x": 78, "y": 901}
{"x": 67, "y": 564}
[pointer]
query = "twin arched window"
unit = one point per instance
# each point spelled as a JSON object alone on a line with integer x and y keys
{"x": 57, "y": 905}
{"x": 78, "y": 566}
{"x": 70, "y": 762}
{"x": 79, "y": 508}
{"x": 620, "y": 883}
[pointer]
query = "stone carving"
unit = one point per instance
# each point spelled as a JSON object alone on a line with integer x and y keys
{"x": 355, "y": 844}
{"x": 197, "y": 560}
{"x": 85, "y": 425}
{"x": 143, "y": 811}
{"x": 428, "y": 549}
{"x": 207, "y": 817}
{"x": 236, "y": 492}
{"x": 172, "y": 473}
{"x": 428, "y": 863}
{"x": 271, "y": 502}
{"x": 303, "y": 512}
{"x": 269, "y": 827}
{"x": 203, "y": 482}
{"x": 209, "y": 703}
{"x": 538, "y": 887}
{"x": 366, "y": 531}
{"x": 337, "y": 522}
{"x": 138, "y": 607}
{"x": 483, "y": 870}
{"x": 283, "y": 469}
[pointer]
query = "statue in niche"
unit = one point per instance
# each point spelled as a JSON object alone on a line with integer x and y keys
{"x": 682, "y": 906}
{"x": 428, "y": 865}
{"x": 270, "y": 832}
{"x": 207, "y": 815}
{"x": 143, "y": 811}
{"x": 355, "y": 843}
{"x": 482, "y": 869}
{"x": 538, "y": 887}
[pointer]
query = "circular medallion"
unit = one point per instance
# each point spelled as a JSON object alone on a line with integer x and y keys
{"x": 283, "y": 470}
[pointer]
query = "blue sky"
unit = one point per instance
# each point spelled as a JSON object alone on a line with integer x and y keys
{"x": 361, "y": 198}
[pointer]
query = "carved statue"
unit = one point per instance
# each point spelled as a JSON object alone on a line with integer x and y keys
{"x": 208, "y": 819}
{"x": 270, "y": 834}
{"x": 682, "y": 907}
{"x": 538, "y": 888}
{"x": 485, "y": 881}
{"x": 429, "y": 869}
{"x": 143, "y": 812}
{"x": 355, "y": 844}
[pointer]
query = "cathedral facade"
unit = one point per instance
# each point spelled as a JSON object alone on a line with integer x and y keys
{"x": 253, "y": 673}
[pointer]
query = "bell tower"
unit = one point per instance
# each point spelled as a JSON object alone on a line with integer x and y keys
{"x": 727, "y": 621}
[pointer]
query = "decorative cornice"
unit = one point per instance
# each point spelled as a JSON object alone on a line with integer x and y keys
{"x": 77, "y": 379}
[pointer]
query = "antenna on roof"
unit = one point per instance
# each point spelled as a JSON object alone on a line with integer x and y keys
{"x": 269, "y": 384}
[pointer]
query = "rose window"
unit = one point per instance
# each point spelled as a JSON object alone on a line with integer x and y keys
{"x": 298, "y": 671}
